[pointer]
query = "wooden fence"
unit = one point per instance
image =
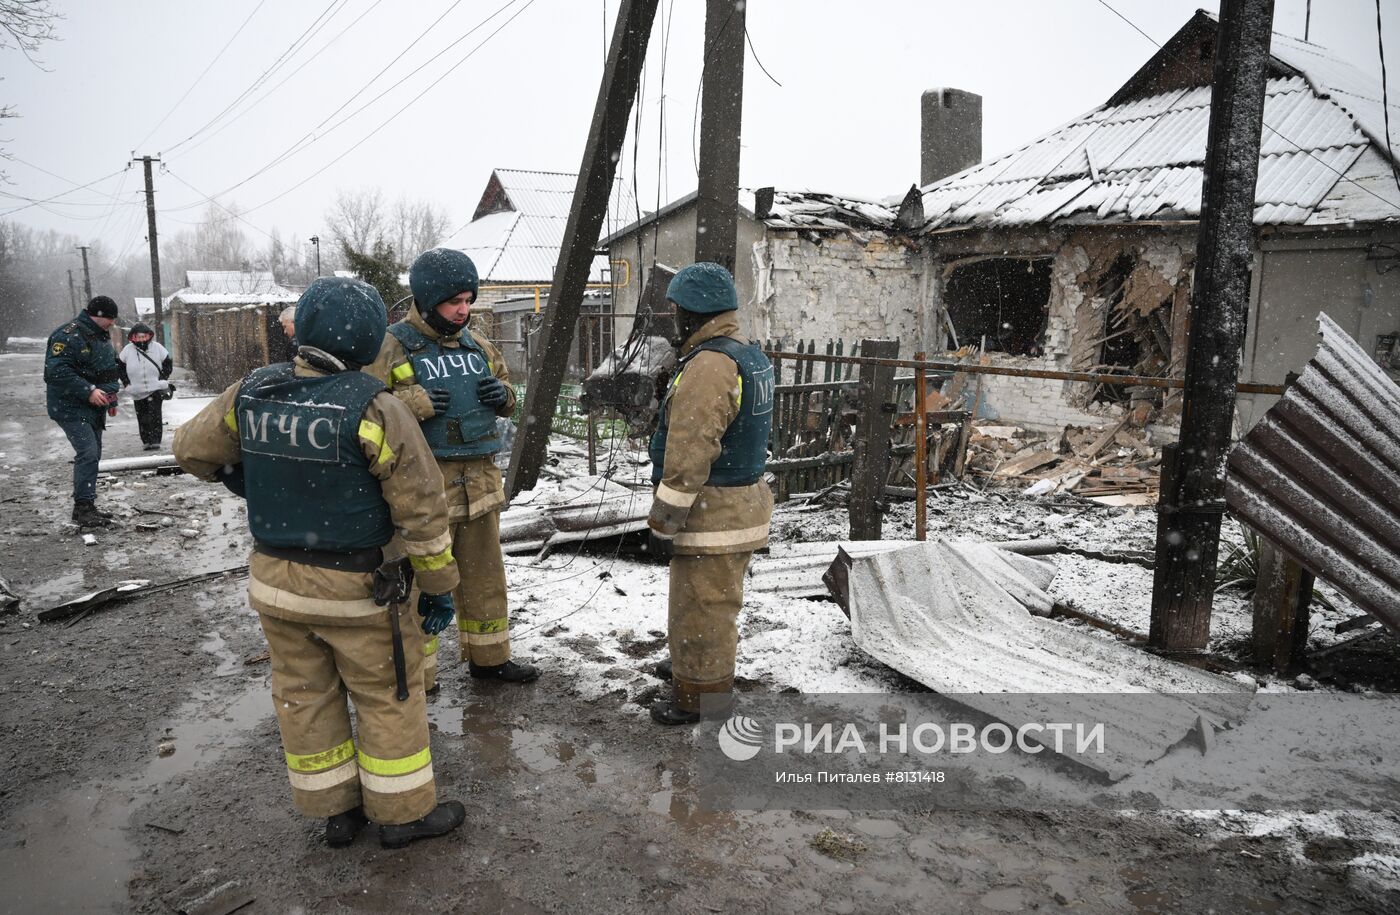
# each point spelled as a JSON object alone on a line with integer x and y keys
{"x": 815, "y": 417}
{"x": 221, "y": 346}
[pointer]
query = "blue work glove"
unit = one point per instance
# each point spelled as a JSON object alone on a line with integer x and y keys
{"x": 662, "y": 548}
{"x": 492, "y": 392}
{"x": 231, "y": 475}
{"x": 436, "y": 610}
{"x": 440, "y": 399}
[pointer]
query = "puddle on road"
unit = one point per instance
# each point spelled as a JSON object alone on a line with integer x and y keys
{"x": 73, "y": 852}
{"x": 496, "y": 747}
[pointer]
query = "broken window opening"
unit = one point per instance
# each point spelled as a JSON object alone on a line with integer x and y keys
{"x": 1002, "y": 300}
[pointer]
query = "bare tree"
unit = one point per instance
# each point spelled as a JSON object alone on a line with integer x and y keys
{"x": 417, "y": 225}
{"x": 357, "y": 219}
{"x": 25, "y": 24}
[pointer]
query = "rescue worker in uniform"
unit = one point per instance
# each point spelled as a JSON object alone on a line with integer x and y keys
{"x": 456, "y": 383}
{"x": 81, "y": 381}
{"x": 712, "y": 506}
{"x": 332, "y": 466}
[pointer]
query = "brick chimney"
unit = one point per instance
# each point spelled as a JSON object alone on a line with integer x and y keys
{"x": 951, "y": 133}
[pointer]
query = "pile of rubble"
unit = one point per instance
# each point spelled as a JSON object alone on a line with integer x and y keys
{"x": 1116, "y": 465}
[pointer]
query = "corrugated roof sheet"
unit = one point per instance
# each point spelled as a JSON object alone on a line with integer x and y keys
{"x": 521, "y": 244}
{"x": 1143, "y": 159}
{"x": 1320, "y": 474}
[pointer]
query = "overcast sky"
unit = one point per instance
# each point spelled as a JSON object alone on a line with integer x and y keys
{"x": 131, "y": 76}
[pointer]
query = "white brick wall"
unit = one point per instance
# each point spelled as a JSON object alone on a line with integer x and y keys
{"x": 840, "y": 289}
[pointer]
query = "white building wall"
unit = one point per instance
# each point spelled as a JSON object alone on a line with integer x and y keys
{"x": 844, "y": 288}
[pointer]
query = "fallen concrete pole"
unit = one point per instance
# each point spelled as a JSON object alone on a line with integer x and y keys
{"x": 145, "y": 462}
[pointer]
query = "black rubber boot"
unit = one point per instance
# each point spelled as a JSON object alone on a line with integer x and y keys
{"x": 668, "y": 713}
{"x": 663, "y": 669}
{"x": 509, "y": 672}
{"x": 446, "y": 817}
{"x": 85, "y": 514}
{"x": 342, "y": 828}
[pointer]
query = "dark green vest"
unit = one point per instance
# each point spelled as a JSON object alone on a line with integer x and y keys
{"x": 468, "y": 427}
{"x": 744, "y": 445}
{"x": 307, "y": 478}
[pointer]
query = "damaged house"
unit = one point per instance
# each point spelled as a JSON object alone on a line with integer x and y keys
{"x": 1075, "y": 251}
{"x": 809, "y": 265}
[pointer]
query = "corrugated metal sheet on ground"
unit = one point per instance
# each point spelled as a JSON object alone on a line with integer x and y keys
{"x": 1320, "y": 474}
{"x": 933, "y": 613}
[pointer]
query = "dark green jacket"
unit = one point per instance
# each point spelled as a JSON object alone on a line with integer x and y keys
{"x": 79, "y": 357}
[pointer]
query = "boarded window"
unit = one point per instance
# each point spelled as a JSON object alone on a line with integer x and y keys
{"x": 1004, "y": 301}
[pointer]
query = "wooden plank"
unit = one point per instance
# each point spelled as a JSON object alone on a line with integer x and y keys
{"x": 872, "y": 444}
{"x": 1281, "y": 598}
{"x": 1102, "y": 441}
{"x": 1026, "y": 464}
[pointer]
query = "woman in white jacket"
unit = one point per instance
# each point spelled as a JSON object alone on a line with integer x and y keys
{"x": 144, "y": 366}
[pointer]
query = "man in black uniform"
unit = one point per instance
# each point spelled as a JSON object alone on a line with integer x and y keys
{"x": 81, "y": 378}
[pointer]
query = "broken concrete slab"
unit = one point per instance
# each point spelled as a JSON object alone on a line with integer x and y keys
{"x": 936, "y": 614}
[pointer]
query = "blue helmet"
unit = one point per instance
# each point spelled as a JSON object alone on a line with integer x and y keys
{"x": 703, "y": 288}
{"x": 343, "y": 317}
{"x": 439, "y": 274}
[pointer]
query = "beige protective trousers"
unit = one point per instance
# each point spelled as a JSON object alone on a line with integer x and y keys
{"x": 385, "y": 765}
{"x": 707, "y": 593}
{"x": 483, "y": 622}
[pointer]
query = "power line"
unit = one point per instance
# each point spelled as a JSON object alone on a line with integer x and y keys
{"x": 306, "y": 35}
{"x": 754, "y": 52}
{"x": 73, "y": 190}
{"x": 165, "y": 169}
{"x": 356, "y": 21}
{"x": 1385, "y": 97}
{"x": 313, "y": 135}
{"x": 205, "y": 72}
{"x": 1307, "y": 152}
{"x": 403, "y": 108}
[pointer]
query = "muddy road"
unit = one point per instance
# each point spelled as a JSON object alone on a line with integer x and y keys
{"x": 140, "y": 768}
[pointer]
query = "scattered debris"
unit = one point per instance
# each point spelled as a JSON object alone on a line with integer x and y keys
{"x": 962, "y": 621}
{"x": 9, "y": 600}
{"x": 89, "y": 540}
{"x": 257, "y": 659}
{"x": 122, "y": 591}
{"x": 836, "y": 845}
{"x": 221, "y": 900}
{"x": 1112, "y": 466}
{"x": 173, "y": 830}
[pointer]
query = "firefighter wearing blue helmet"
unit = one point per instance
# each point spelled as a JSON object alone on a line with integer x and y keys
{"x": 712, "y": 506}
{"x": 456, "y": 383}
{"x": 332, "y": 467}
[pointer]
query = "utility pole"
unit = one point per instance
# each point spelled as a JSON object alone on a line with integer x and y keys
{"x": 601, "y": 152}
{"x": 722, "y": 108}
{"x": 72, "y": 292}
{"x": 1192, "y": 499}
{"x": 155, "y": 249}
{"x": 87, "y": 276}
{"x": 316, "y": 243}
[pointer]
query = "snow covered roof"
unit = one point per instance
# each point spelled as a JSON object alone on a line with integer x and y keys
{"x": 518, "y": 228}
{"x": 817, "y": 210}
{"x": 231, "y": 281}
{"x": 145, "y": 305}
{"x": 813, "y": 210}
{"x": 284, "y": 297}
{"x": 1323, "y": 159}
